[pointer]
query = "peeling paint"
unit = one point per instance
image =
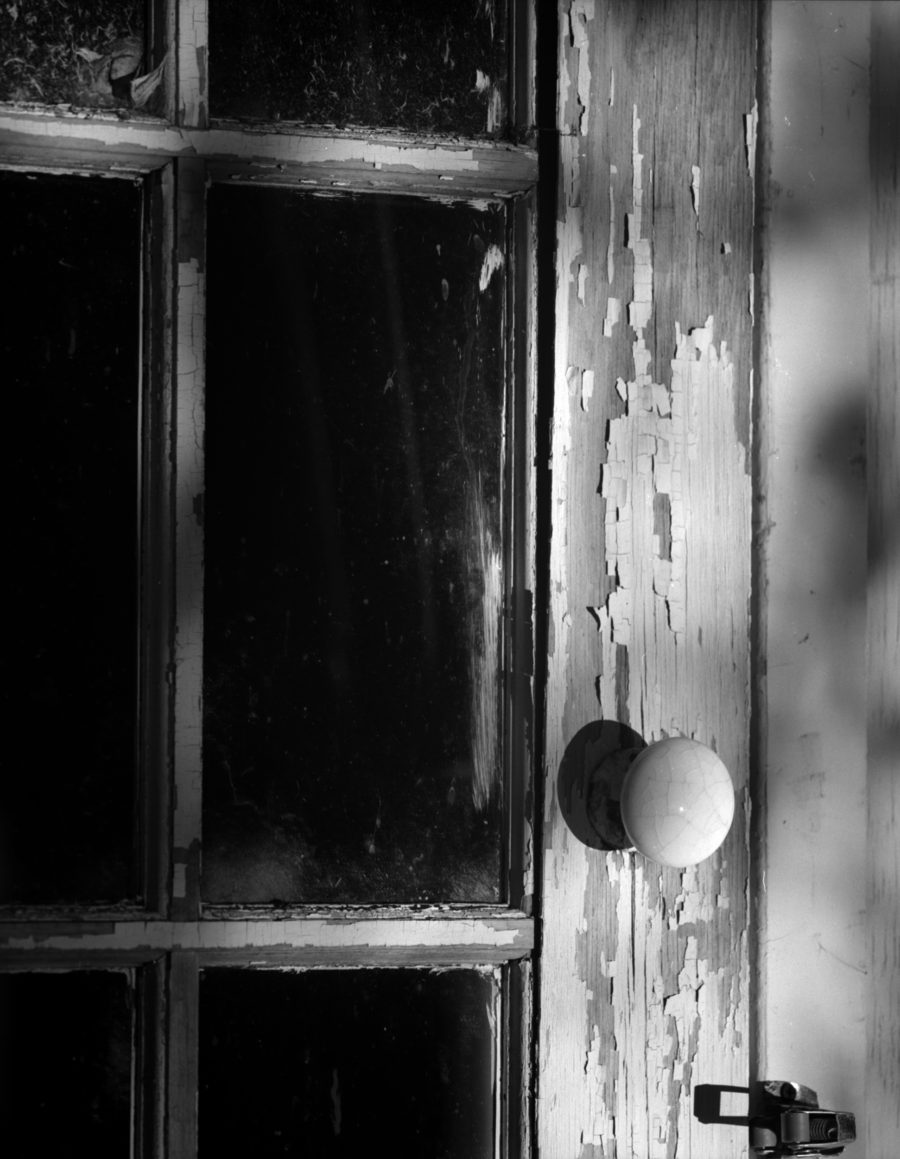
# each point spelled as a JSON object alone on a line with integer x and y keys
{"x": 613, "y": 313}
{"x": 492, "y": 264}
{"x": 611, "y": 243}
{"x": 587, "y": 388}
{"x": 188, "y": 669}
{"x": 509, "y": 937}
{"x": 751, "y": 126}
{"x": 582, "y": 281}
{"x": 643, "y": 972}
{"x": 580, "y": 13}
{"x": 307, "y": 158}
{"x": 192, "y": 62}
{"x": 660, "y": 433}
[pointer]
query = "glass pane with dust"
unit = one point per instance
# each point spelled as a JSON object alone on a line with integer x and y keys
{"x": 430, "y": 68}
{"x": 66, "y": 1064}
{"x": 337, "y": 1064}
{"x": 70, "y": 346}
{"x": 355, "y": 566}
{"x": 86, "y": 53}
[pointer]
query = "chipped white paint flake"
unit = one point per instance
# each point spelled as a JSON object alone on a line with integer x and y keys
{"x": 580, "y": 13}
{"x": 587, "y": 388}
{"x": 695, "y": 191}
{"x": 583, "y": 273}
{"x": 297, "y": 158}
{"x": 613, "y": 313}
{"x": 640, "y": 308}
{"x": 751, "y": 125}
{"x": 510, "y": 935}
{"x": 192, "y": 62}
{"x": 611, "y": 244}
{"x": 660, "y": 432}
{"x": 492, "y": 263}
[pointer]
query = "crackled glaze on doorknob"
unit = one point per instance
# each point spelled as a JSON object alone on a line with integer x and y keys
{"x": 677, "y": 802}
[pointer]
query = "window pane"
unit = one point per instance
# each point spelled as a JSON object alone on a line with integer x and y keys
{"x": 341, "y": 1063}
{"x": 81, "y": 52}
{"x": 69, "y": 338}
{"x": 65, "y": 1065}
{"x": 353, "y": 549}
{"x": 437, "y": 68}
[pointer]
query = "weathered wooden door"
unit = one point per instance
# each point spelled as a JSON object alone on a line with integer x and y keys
{"x": 644, "y": 977}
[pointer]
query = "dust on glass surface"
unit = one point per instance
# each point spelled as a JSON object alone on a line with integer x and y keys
{"x": 70, "y": 344}
{"x": 354, "y": 557}
{"x": 85, "y": 53}
{"x": 346, "y": 1063}
{"x": 65, "y": 1064}
{"x": 431, "y": 68}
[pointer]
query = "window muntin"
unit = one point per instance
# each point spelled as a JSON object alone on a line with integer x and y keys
{"x": 176, "y": 932}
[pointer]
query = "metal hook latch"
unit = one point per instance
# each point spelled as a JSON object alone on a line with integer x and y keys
{"x": 787, "y": 1120}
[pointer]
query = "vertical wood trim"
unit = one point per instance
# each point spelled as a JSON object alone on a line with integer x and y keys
{"x": 150, "y": 1070}
{"x": 644, "y": 971}
{"x": 157, "y": 544}
{"x": 519, "y": 533}
{"x": 522, "y": 61}
{"x": 193, "y": 60}
{"x": 183, "y": 1071}
{"x": 513, "y": 1140}
{"x": 882, "y": 1110}
{"x": 762, "y": 448}
{"x": 163, "y": 34}
{"x": 188, "y": 453}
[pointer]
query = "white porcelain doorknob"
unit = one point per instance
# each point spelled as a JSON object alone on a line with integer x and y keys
{"x": 677, "y": 802}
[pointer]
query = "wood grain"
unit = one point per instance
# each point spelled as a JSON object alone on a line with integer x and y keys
{"x": 644, "y": 988}
{"x": 882, "y": 1111}
{"x": 186, "y": 675}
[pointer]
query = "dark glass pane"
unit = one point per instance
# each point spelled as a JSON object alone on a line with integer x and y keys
{"x": 339, "y": 1063}
{"x": 437, "y": 68}
{"x": 78, "y": 52}
{"x": 65, "y": 1065}
{"x": 354, "y": 571}
{"x": 69, "y": 342}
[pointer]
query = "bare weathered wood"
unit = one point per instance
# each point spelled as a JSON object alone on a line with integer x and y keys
{"x": 484, "y": 937}
{"x": 182, "y": 1047}
{"x": 644, "y": 971}
{"x": 882, "y": 1109}
{"x": 192, "y": 101}
{"x": 150, "y": 1060}
{"x": 157, "y": 533}
{"x": 186, "y": 673}
{"x": 519, "y": 599}
{"x": 371, "y": 161}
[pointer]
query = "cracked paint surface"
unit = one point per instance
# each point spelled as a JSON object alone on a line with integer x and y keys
{"x": 644, "y": 975}
{"x": 192, "y": 62}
